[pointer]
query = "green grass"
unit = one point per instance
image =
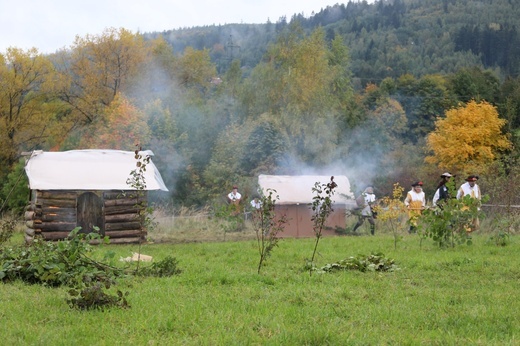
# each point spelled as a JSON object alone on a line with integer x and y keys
{"x": 467, "y": 295}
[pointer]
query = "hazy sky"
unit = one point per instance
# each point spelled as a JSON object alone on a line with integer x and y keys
{"x": 53, "y": 24}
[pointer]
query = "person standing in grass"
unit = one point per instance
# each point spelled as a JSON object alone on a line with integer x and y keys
{"x": 256, "y": 204}
{"x": 234, "y": 198}
{"x": 442, "y": 194}
{"x": 470, "y": 188}
{"x": 415, "y": 202}
{"x": 369, "y": 198}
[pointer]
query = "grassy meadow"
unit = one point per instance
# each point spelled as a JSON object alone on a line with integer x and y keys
{"x": 467, "y": 295}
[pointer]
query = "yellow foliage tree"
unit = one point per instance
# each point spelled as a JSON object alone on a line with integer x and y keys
{"x": 194, "y": 70}
{"x": 97, "y": 68}
{"x": 468, "y": 138}
{"x": 123, "y": 127}
{"x": 27, "y": 103}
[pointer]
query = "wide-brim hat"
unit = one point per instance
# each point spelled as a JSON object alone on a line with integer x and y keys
{"x": 472, "y": 178}
{"x": 447, "y": 175}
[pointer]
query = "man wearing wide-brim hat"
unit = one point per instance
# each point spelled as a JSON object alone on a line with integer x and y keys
{"x": 442, "y": 194}
{"x": 415, "y": 202}
{"x": 470, "y": 188}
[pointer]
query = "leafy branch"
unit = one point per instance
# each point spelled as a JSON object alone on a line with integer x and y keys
{"x": 267, "y": 225}
{"x": 322, "y": 208}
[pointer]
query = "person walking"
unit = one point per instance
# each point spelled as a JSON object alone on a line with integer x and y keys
{"x": 470, "y": 188}
{"x": 234, "y": 198}
{"x": 415, "y": 202}
{"x": 442, "y": 194}
{"x": 369, "y": 198}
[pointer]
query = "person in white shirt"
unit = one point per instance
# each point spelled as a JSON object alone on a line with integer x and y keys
{"x": 470, "y": 188}
{"x": 256, "y": 204}
{"x": 367, "y": 213}
{"x": 234, "y": 196}
{"x": 442, "y": 194}
{"x": 415, "y": 202}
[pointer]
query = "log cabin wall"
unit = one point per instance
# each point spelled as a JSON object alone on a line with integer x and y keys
{"x": 52, "y": 214}
{"x": 123, "y": 217}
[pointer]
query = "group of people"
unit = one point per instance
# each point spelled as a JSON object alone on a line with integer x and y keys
{"x": 415, "y": 201}
{"x": 234, "y": 197}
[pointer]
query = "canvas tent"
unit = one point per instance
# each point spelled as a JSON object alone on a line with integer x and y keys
{"x": 296, "y": 197}
{"x": 87, "y": 188}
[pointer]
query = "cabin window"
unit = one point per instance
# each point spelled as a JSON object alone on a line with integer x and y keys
{"x": 90, "y": 213}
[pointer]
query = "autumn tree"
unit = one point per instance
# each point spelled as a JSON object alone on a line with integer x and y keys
{"x": 468, "y": 138}
{"x": 194, "y": 71}
{"x": 303, "y": 82}
{"x": 97, "y": 68}
{"x": 27, "y": 106}
{"x": 123, "y": 127}
{"x": 155, "y": 77}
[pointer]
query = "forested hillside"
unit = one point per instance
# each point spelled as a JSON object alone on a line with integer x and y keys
{"x": 356, "y": 89}
{"x": 387, "y": 38}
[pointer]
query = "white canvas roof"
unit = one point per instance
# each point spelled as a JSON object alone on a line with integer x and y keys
{"x": 298, "y": 189}
{"x": 88, "y": 170}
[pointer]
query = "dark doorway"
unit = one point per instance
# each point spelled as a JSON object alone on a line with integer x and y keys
{"x": 90, "y": 213}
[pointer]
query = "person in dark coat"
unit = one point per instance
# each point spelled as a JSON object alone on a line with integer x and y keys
{"x": 442, "y": 194}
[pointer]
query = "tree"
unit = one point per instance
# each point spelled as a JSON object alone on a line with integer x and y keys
{"x": 224, "y": 166}
{"x": 194, "y": 71}
{"x": 264, "y": 148}
{"x": 474, "y": 84}
{"x": 27, "y": 107}
{"x": 468, "y": 138}
{"x": 123, "y": 127}
{"x": 97, "y": 69}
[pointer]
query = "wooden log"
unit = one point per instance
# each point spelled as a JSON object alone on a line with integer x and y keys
{"x": 122, "y": 218}
{"x": 57, "y": 216}
{"x": 125, "y": 209}
{"x": 125, "y": 233}
{"x": 122, "y": 226}
{"x": 133, "y": 240}
{"x": 119, "y": 194}
{"x": 56, "y": 194}
{"x": 56, "y": 226}
{"x": 55, "y": 235}
{"x": 66, "y": 203}
{"x": 126, "y": 194}
{"x": 119, "y": 202}
{"x": 32, "y": 207}
{"x": 58, "y": 210}
{"x": 29, "y": 215}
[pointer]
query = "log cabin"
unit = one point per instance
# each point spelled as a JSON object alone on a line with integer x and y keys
{"x": 295, "y": 197}
{"x": 88, "y": 189}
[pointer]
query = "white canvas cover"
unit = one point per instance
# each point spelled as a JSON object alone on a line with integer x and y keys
{"x": 91, "y": 169}
{"x": 298, "y": 189}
